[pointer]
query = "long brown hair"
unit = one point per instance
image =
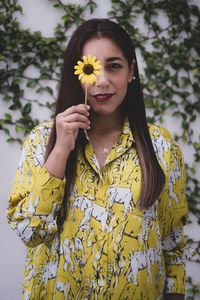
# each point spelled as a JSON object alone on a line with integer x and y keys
{"x": 70, "y": 93}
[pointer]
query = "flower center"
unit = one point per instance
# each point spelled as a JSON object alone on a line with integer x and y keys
{"x": 88, "y": 69}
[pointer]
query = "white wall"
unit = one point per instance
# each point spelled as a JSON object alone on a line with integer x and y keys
{"x": 12, "y": 251}
{"x": 38, "y": 15}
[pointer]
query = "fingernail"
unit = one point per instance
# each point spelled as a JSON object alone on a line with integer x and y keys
{"x": 88, "y": 107}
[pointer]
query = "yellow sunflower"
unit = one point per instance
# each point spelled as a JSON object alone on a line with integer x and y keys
{"x": 88, "y": 69}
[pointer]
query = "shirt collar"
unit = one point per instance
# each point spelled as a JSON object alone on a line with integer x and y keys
{"x": 126, "y": 131}
{"x": 124, "y": 142}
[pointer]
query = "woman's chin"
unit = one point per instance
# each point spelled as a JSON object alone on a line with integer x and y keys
{"x": 102, "y": 112}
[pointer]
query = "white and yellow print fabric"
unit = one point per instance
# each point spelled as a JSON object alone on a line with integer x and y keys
{"x": 109, "y": 248}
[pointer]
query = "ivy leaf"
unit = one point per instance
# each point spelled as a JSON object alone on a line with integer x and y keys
{"x": 8, "y": 117}
{"x": 32, "y": 83}
{"x": 45, "y": 89}
{"x": 26, "y": 109}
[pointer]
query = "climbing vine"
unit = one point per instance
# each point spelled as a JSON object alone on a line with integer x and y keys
{"x": 166, "y": 35}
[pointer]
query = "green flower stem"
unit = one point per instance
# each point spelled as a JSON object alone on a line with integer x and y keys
{"x": 86, "y": 93}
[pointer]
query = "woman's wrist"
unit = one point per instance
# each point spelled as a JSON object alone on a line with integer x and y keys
{"x": 56, "y": 162}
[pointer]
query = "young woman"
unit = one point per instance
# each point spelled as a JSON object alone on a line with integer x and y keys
{"x": 99, "y": 195}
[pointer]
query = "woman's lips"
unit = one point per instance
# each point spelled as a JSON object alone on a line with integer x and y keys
{"x": 102, "y": 97}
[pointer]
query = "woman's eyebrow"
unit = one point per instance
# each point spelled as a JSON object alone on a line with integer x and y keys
{"x": 110, "y": 59}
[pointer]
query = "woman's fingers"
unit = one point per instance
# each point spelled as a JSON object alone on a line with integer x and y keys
{"x": 75, "y": 117}
{"x": 81, "y": 109}
{"x": 70, "y": 127}
{"x": 72, "y": 122}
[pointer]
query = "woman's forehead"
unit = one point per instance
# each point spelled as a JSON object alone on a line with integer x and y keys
{"x": 103, "y": 48}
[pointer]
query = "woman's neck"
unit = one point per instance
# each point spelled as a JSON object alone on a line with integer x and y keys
{"x": 105, "y": 124}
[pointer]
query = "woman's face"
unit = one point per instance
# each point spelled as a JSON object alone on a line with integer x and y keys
{"x": 108, "y": 92}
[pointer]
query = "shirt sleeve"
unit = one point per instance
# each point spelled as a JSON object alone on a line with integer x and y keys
{"x": 36, "y": 196}
{"x": 176, "y": 251}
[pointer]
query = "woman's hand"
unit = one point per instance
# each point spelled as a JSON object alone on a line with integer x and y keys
{"x": 67, "y": 127}
{"x": 68, "y": 124}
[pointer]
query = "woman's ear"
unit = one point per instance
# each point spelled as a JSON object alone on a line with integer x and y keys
{"x": 131, "y": 76}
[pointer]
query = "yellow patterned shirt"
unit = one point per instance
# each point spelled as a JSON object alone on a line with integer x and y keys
{"x": 109, "y": 248}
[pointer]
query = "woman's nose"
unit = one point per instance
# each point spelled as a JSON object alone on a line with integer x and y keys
{"x": 102, "y": 79}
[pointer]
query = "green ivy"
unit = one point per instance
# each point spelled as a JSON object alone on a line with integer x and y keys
{"x": 168, "y": 43}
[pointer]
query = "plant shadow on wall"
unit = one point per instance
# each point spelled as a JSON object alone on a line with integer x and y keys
{"x": 169, "y": 45}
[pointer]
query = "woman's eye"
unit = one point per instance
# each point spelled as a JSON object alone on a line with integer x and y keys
{"x": 114, "y": 66}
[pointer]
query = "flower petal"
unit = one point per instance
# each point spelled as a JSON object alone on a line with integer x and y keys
{"x": 85, "y": 60}
{"x": 80, "y": 69}
{"x": 97, "y": 72}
